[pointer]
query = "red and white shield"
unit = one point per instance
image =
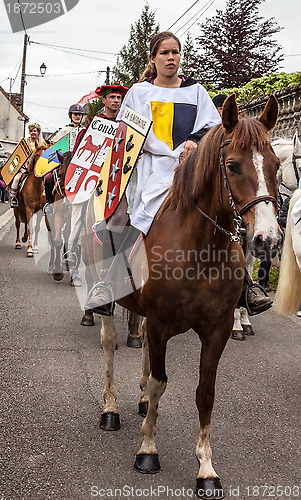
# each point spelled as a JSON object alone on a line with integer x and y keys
{"x": 84, "y": 170}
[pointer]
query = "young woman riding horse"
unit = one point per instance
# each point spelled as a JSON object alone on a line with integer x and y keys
{"x": 232, "y": 171}
{"x": 232, "y": 174}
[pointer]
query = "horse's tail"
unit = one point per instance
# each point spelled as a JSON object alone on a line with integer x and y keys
{"x": 288, "y": 294}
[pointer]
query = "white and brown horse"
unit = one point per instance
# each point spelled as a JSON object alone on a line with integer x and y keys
{"x": 288, "y": 296}
{"x": 233, "y": 170}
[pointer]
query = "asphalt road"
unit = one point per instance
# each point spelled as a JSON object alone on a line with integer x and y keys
{"x": 51, "y": 445}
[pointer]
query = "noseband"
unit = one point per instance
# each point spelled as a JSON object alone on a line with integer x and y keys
{"x": 237, "y": 220}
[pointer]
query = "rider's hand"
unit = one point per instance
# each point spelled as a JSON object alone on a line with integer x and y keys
{"x": 188, "y": 148}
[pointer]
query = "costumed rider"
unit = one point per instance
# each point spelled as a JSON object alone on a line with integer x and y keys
{"x": 33, "y": 142}
{"x": 112, "y": 96}
{"x": 165, "y": 98}
{"x": 182, "y": 112}
{"x": 76, "y": 114}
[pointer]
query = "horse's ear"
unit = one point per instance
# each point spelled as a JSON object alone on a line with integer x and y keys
{"x": 60, "y": 157}
{"x": 270, "y": 113}
{"x": 230, "y": 113}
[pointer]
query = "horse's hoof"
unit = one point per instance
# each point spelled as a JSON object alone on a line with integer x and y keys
{"x": 29, "y": 253}
{"x": 18, "y": 246}
{"x": 134, "y": 341}
{"x": 209, "y": 488}
{"x": 110, "y": 421}
{"x": 24, "y": 239}
{"x": 248, "y": 330}
{"x": 147, "y": 463}
{"x": 35, "y": 250}
{"x": 58, "y": 276}
{"x": 87, "y": 320}
{"x": 237, "y": 335}
{"x": 142, "y": 409}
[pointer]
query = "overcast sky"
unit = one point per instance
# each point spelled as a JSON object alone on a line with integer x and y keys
{"x": 104, "y": 26}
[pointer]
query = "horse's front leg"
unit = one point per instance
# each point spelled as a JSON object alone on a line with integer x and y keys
{"x": 109, "y": 420}
{"x": 237, "y": 330}
{"x": 17, "y": 224}
{"x": 37, "y": 230}
{"x": 29, "y": 216}
{"x": 145, "y": 371}
{"x": 208, "y": 483}
{"x": 134, "y": 337}
{"x": 147, "y": 460}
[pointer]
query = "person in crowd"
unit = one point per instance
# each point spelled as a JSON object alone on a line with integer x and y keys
{"x": 3, "y": 191}
{"x": 34, "y": 140}
{"x": 218, "y": 102}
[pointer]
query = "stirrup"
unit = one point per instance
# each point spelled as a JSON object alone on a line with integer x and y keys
{"x": 103, "y": 301}
{"x": 48, "y": 209}
{"x": 262, "y": 307}
{"x": 14, "y": 203}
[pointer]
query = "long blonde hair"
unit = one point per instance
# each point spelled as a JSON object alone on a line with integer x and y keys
{"x": 151, "y": 71}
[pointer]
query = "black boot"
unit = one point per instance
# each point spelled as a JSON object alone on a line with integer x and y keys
{"x": 48, "y": 208}
{"x": 263, "y": 274}
{"x": 254, "y": 301}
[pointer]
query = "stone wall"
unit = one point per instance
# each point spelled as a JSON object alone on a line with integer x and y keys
{"x": 289, "y": 100}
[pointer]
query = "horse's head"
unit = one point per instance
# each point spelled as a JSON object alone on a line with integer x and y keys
{"x": 250, "y": 166}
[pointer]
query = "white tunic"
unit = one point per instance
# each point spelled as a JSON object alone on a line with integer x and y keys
{"x": 176, "y": 113}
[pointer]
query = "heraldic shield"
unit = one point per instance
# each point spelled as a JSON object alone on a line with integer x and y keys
{"x": 120, "y": 163}
{"x": 83, "y": 171}
{"x": 49, "y": 159}
{"x": 16, "y": 160}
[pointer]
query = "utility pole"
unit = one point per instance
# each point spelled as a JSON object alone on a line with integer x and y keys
{"x": 108, "y": 75}
{"x": 22, "y": 88}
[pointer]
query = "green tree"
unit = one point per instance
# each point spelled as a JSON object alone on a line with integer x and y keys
{"x": 188, "y": 56}
{"x": 133, "y": 57}
{"x": 237, "y": 45}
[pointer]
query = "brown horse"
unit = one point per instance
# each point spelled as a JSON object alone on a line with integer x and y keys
{"x": 196, "y": 269}
{"x": 31, "y": 201}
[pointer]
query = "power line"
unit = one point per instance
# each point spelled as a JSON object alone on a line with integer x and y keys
{"x": 183, "y": 14}
{"x": 45, "y": 105}
{"x": 22, "y": 18}
{"x": 71, "y": 52}
{"x": 179, "y": 29}
{"x": 73, "y": 48}
{"x": 212, "y": 2}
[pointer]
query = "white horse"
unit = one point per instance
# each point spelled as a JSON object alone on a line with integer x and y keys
{"x": 289, "y": 154}
{"x": 288, "y": 296}
{"x": 288, "y": 151}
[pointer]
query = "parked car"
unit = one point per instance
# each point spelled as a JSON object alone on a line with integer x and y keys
{"x": 2, "y": 152}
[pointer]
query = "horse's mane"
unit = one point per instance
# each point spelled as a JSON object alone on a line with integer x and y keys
{"x": 195, "y": 175}
{"x": 34, "y": 157}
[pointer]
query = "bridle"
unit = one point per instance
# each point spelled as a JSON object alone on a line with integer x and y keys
{"x": 294, "y": 158}
{"x": 237, "y": 220}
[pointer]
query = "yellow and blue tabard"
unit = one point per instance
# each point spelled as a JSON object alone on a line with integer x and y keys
{"x": 176, "y": 113}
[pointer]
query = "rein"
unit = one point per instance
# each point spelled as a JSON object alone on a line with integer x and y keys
{"x": 237, "y": 220}
{"x": 57, "y": 186}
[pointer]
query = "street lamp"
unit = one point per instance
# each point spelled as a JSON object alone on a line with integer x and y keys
{"x": 43, "y": 68}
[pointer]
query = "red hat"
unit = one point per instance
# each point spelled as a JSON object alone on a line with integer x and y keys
{"x": 104, "y": 90}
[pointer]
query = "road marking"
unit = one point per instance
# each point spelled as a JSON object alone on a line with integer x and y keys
{"x": 6, "y": 217}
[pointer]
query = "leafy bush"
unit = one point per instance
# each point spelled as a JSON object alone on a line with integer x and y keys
{"x": 258, "y": 86}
